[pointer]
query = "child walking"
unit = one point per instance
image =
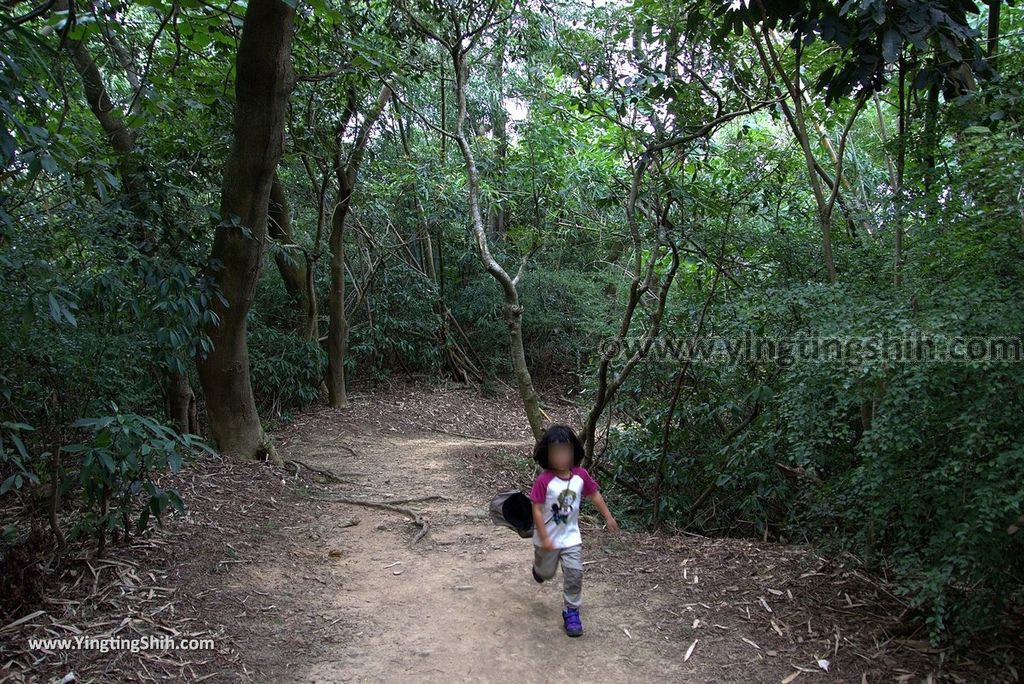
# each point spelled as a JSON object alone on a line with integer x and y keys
{"x": 556, "y": 495}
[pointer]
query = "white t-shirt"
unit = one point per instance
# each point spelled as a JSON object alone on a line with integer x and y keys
{"x": 562, "y": 498}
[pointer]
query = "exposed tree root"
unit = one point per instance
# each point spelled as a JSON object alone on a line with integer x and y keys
{"x": 323, "y": 472}
{"x": 416, "y": 517}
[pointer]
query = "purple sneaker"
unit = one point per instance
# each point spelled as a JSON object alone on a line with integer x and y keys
{"x": 573, "y": 626}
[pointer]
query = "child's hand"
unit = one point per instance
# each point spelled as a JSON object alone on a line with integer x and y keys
{"x": 612, "y": 525}
{"x": 547, "y": 544}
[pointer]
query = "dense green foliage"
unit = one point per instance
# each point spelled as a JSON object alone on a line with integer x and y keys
{"x": 841, "y": 170}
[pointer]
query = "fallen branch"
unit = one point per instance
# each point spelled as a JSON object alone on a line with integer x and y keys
{"x": 349, "y": 450}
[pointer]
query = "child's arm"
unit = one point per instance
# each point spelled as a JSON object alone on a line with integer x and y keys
{"x": 538, "y": 524}
{"x": 603, "y": 508}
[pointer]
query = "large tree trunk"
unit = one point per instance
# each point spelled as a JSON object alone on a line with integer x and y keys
{"x": 263, "y": 82}
{"x": 337, "y": 330}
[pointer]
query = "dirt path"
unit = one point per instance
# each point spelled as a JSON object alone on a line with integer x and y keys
{"x": 461, "y": 600}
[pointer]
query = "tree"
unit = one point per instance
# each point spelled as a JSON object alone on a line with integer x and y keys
{"x": 263, "y": 82}
{"x": 346, "y": 175}
{"x": 179, "y": 399}
{"x": 464, "y": 27}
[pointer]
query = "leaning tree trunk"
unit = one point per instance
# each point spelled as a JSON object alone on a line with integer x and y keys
{"x": 513, "y": 310}
{"x": 179, "y": 399}
{"x": 457, "y": 45}
{"x": 263, "y": 82}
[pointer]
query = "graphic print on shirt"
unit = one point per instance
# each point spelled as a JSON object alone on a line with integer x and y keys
{"x": 563, "y": 508}
{"x": 561, "y": 498}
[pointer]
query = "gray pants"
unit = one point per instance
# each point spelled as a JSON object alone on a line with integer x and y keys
{"x": 546, "y": 563}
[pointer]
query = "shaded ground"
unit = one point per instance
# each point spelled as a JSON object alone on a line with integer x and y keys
{"x": 295, "y": 588}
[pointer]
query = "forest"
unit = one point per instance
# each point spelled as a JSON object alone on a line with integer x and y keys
{"x": 770, "y": 256}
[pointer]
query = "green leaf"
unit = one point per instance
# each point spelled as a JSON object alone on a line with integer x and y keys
{"x": 19, "y": 444}
{"x": 891, "y": 45}
{"x": 28, "y": 317}
{"x": 108, "y": 461}
{"x": 48, "y": 163}
{"x": 54, "y": 308}
{"x": 175, "y": 500}
{"x": 8, "y": 484}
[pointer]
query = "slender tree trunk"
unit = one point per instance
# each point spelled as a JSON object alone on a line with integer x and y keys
{"x": 444, "y": 112}
{"x": 311, "y": 331}
{"x": 992, "y": 43}
{"x": 901, "y": 161}
{"x": 797, "y": 119}
{"x": 181, "y": 402}
{"x": 499, "y": 115}
{"x": 659, "y": 474}
{"x": 513, "y": 310}
{"x": 263, "y": 82}
{"x": 337, "y": 333}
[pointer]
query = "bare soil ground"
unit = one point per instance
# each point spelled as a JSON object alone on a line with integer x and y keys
{"x": 294, "y": 587}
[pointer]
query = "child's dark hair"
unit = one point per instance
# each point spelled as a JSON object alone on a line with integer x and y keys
{"x": 557, "y": 434}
